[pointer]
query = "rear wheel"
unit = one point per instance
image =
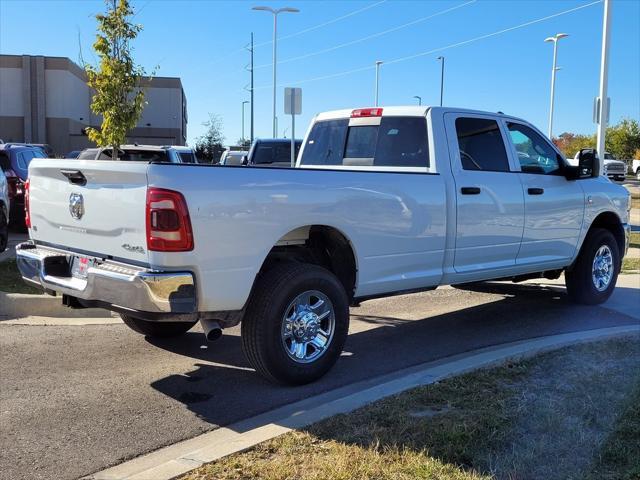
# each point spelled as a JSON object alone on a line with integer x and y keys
{"x": 593, "y": 277}
{"x": 296, "y": 323}
{"x": 156, "y": 329}
{"x": 4, "y": 231}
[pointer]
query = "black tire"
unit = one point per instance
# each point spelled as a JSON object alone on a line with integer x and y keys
{"x": 156, "y": 329}
{"x": 580, "y": 285}
{"x": 262, "y": 324}
{"x": 4, "y": 231}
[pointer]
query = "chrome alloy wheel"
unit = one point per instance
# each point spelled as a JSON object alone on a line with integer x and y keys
{"x": 602, "y": 269}
{"x": 308, "y": 326}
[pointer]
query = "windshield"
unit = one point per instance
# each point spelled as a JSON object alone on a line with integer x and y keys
{"x": 274, "y": 152}
{"x": 136, "y": 155}
{"x": 187, "y": 157}
{"x": 609, "y": 156}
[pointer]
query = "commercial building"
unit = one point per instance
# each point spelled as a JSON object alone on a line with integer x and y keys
{"x": 47, "y": 100}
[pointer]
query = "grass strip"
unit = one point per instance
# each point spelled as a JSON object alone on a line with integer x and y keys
{"x": 572, "y": 413}
{"x": 11, "y": 281}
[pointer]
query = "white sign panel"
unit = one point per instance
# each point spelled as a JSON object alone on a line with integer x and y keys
{"x": 292, "y": 101}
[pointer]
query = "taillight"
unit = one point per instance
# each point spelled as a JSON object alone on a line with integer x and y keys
{"x": 366, "y": 112}
{"x": 12, "y": 183}
{"x": 168, "y": 223}
{"x": 27, "y": 212}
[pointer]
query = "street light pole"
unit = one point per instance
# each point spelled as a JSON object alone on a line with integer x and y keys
{"x": 243, "y": 104}
{"x": 378, "y": 63}
{"x": 604, "y": 80}
{"x": 419, "y": 99}
{"x": 275, "y": 13}
{"x": 441, "y": 78}
{"x": 554, "y": 69}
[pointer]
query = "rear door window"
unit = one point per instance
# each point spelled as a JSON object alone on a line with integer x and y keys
{"x": 481, "y": 145}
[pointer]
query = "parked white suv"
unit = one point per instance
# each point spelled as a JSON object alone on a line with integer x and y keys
{"x": 381, "y": 201}
{"x": 133, "y": 153}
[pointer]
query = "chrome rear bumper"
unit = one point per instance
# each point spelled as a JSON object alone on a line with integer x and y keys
{"x": 120, "y": 287}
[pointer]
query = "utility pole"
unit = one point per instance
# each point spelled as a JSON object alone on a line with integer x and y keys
{"x": 378, "y": 63}
{"x": 419, "y": 98}
{"x": 603, "y": 100}
{"x": 250, "y": 89}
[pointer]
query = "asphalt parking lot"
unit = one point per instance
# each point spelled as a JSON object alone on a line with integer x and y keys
{"x": 76, "y": 399}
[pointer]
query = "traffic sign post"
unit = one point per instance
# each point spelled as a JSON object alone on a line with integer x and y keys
{"x": 293, "y": 107}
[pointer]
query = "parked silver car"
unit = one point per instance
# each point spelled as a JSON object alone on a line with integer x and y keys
{"x": 233, "y": 157}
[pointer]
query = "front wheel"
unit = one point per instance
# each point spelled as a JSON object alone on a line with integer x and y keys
{"x": 156, "y": 329}
{"x": 296, "y": 323}
{"x": 593, "y": 277}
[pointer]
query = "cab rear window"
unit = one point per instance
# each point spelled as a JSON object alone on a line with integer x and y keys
{"x": 396, "y": 142}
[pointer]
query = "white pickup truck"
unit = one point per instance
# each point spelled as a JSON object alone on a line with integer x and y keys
{"x": 612, "y": 168}
{"x": 381, "y": 202}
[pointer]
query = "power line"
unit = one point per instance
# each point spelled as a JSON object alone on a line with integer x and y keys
{"x": 369, "y": 37}
{"x": 315, "y": 27}
{"x": 439, "y": 49}
{"x": 337, "y": 19}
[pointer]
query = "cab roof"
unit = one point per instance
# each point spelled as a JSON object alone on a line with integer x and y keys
{"x": 405, "y": 111}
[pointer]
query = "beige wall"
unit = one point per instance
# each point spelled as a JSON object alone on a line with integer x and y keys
{"x": 47, "y": 100}
{"x": 67, "y": 96}
{"x": 11, "y": 99}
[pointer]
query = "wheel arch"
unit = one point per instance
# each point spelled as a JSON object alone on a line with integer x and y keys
{"x": 319, "y": 244}
{"x": 610, "y": 221}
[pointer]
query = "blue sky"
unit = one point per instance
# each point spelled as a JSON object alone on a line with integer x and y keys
{"x": 202, "y": 42}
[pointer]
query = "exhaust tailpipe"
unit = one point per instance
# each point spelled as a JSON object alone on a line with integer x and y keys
{"x": 212, "y": 329}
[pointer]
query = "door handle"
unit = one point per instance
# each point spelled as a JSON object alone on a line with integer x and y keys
{"x": 75, "y": 177}
{"x": 535, "y": 191}
{"x": 470, "y": 190}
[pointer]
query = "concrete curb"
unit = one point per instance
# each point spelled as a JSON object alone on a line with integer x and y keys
{"x": 38, "y": 321}
{"x": 179, "y": 458}
{"x": 21, "y": 305}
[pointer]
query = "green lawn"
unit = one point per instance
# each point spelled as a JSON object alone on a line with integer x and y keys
{"x": 573, "y": 413}
{"x": 634, "y": 240}
{"x": 11, "y": 281}
{"x": 630, "y": 265}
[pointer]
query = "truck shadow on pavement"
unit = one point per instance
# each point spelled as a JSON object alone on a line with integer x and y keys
{"x": 222, "y": 388}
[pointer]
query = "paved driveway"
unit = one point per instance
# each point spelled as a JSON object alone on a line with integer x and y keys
{"x": 76, "y": 399}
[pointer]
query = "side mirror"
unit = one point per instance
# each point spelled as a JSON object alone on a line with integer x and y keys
{"x": 587, "y": 159}
{"x": 245, "y": 160}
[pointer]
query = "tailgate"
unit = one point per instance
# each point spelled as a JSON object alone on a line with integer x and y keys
{"x": 94, "y": 206}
